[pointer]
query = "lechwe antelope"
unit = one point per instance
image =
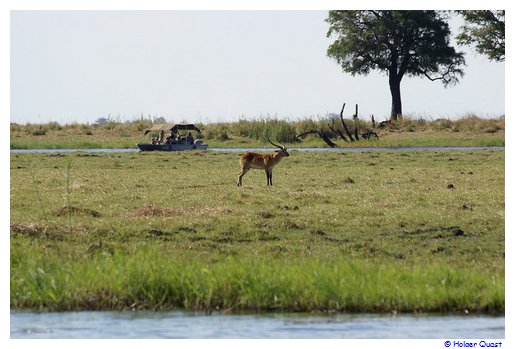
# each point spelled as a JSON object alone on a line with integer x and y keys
{"x": 262, "y": 161}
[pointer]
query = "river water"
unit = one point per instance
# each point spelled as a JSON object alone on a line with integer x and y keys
{"x": 217, "y": 325}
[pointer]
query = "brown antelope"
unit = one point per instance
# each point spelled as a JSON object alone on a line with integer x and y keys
{"x": 262, "y": 161}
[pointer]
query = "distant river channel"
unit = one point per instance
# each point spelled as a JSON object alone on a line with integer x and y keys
{"x": 241, "y": 150}
{"x": 217, "y": 325}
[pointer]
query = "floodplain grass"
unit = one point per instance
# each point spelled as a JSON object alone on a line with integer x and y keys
{"x": 357, "y": 232}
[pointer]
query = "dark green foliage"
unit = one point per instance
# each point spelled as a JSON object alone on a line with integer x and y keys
{"x": 399, "y": 43}
{"x": 485, "y": 30}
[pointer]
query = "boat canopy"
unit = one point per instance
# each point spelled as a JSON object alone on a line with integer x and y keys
{"x": 171, "y": 127}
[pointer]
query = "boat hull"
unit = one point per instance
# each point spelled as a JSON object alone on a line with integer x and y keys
{"x": 170, "y": 147}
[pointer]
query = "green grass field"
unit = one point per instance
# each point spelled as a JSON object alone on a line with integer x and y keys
{"x": 340, "y": 231}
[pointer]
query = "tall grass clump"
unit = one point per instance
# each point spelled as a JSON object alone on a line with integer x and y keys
{"x": 275, "y": 129}
{"x": 471, "y": 123}
{"x": 144, "y": 279}
{"x": 218, "y": 131}
{"x": 54, "y": 126}
{"x": 140, "y": 125}
{"x": 283, "y": 131}
{"x": 467, "y": 123}
{"x": 242, "y": 128}
{"x": 257, "y": 130}
{"x": 409, "y": 123}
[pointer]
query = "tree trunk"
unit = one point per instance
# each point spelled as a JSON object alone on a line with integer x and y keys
{"x": 321, "y": 135}
{"x": 356, "y": 126}
{"x": 344, "y": 125}
{"x": 395, "y": 90}
{"x": 337, "y": 131}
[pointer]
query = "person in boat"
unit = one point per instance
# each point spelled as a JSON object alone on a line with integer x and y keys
{"x": 153, "y": 140}
{"x": 189, "y": 138}
{"x": 161, "y": 137}
{"x": 171, "y": 138}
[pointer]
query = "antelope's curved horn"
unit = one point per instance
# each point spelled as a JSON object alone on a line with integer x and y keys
{"x": 278, "y": 146}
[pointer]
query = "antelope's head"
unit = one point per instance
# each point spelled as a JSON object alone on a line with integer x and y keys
{"x": 282, "y": 149}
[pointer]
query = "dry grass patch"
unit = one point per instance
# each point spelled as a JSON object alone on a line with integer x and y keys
{"x": 73, "y": 210}
{"x": 153, "y": 210}
{"x": 34, "y": 230}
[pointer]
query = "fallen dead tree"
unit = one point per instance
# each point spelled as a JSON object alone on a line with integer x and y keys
{"x": 322, "y": 135}
{"x": 336, "y": 130}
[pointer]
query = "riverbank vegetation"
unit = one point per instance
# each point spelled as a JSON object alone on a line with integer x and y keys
{"x": 341, "y": 231}
{"x": 469, "y": 130}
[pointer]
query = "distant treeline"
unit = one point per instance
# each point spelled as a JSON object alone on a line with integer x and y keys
{"x": 285, "y": 131}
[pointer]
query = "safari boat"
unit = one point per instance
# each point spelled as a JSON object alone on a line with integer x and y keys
{"x": 167, "y": 137}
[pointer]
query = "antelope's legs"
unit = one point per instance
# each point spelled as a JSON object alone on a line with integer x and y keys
{"x": 242, "y": 173}
{"x": 268, "y": 177}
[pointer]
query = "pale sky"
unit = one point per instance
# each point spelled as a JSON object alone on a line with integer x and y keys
{"x": 210, "y": 66}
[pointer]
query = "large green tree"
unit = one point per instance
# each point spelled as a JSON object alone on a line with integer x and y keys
{"x": 399, "y": 43}
{"x": 485, "y": 30}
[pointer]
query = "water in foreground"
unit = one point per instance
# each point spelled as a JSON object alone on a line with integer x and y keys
{"x": 143, "y": 324}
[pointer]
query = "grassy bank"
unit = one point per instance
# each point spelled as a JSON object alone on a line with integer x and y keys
{"x": 467, "y": 131}
{"x": 385, "y": 231}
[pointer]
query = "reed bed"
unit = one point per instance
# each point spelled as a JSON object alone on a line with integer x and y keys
{"x": 470, "y": 130}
